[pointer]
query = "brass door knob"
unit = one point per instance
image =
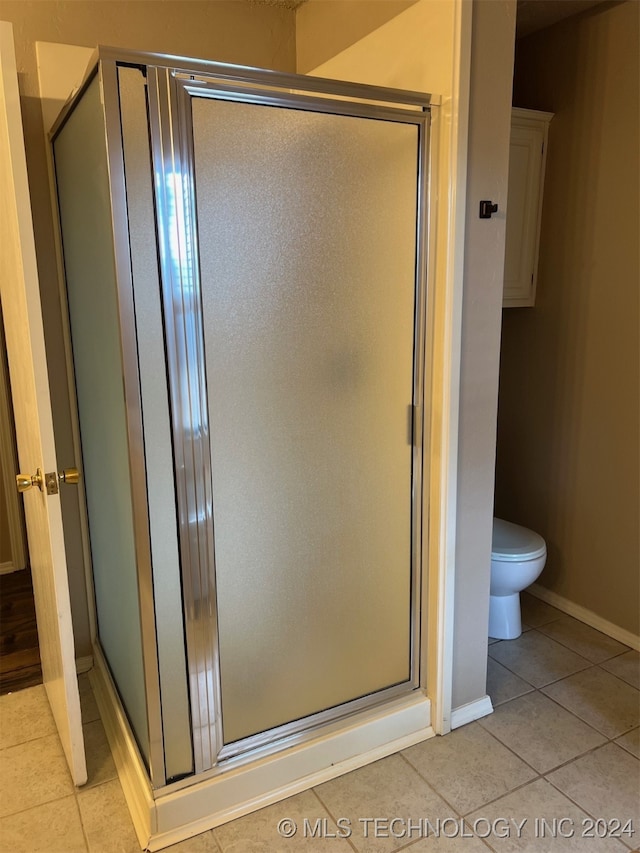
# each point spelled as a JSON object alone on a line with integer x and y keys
{"x": 24, "y": 482}
{"x": 70, "y": 476}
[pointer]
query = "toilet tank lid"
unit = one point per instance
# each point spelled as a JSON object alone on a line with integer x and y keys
{"x": 513, "y": 542}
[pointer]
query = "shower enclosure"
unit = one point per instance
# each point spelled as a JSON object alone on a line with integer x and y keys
{"x": 245, "y": 262}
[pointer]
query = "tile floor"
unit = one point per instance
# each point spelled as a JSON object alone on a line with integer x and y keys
{"x": 563, "y": 745}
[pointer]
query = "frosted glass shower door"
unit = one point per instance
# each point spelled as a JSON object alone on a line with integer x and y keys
{"x": 306, "y": 228}
{"x": 82, "y": 180}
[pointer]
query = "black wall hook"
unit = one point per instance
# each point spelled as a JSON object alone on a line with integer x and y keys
{"x": 487, "y": 208}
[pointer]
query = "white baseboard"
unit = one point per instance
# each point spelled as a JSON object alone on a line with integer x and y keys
{"x": 471, "y": 711}
{"x": 84, "y": 664}
{"x": 131, "y": 770}
{"x": 587, "y": 616}
{"x": 7, "y": 568}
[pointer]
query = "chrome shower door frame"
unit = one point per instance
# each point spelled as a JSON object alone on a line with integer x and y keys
{"x": 170, "y": 90}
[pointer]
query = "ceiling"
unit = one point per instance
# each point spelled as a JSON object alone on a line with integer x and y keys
{"x": 532, "y": 15}
{"x": 535, "y": 15}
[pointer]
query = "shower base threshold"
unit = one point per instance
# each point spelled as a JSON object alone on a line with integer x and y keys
{"x": 165, "y": 816}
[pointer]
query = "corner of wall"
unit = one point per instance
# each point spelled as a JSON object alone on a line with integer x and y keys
{"x": 492, "y": 51}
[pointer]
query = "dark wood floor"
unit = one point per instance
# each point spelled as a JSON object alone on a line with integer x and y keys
{"x": 19, "y": 653}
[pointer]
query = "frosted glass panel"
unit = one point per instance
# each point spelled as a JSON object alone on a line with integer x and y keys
{"x": 307, "y": 236}
{"x": 85, "y": 215}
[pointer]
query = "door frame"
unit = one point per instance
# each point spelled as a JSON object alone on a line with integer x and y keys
{"x": 450, "y": 138}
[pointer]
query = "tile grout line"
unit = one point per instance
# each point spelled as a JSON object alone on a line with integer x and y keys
{"x": 599, "y": 663}
{"x": 577, "y": 805}
{"x": 495, "y": 660}
{"x": 82, "y": 827}
{"x": 576, "y": 758}
{"x": 573, "y": 714}
{"x": 628, "y": 683}
{"x": 465, "y": 815}
{"x": 559, "y": 704}
{"x": 430, "y": 784}
{"x": 212, "y": 832}
{"x": 549, "y": 683}
{"x": 30, "y": 740}
{"x": 571, "y": 649}
{"x": 582, "y": 720}
{"x": 544, "y": 775}
{"x": 333, "y": 818}
{"x": 617, "y": 738}
{"x": 495, "y": 799}
{"x": 38, "y": 805}
{"x": 539, "y": 774}
{"x": 413, "y": 841}
{"x": 541, "y": 624}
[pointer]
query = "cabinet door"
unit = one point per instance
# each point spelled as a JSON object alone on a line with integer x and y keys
{"x": 524, "y": 203}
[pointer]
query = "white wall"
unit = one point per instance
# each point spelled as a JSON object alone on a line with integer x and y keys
{"x": 325, "y": 28}
{"x": 492, "y": 51}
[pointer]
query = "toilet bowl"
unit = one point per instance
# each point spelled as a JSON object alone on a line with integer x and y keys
{"x": 518, "y": 556}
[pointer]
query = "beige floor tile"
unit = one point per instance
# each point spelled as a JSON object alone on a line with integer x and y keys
{"x": 631, "y": 742}
{"x": 100, "y": 765}
{"x": 33, "y": 773}
{"x": 468, "y": 767}
{"x": 25, "y": 715}
{"x": 535, "y": 612}
{"x": 600, "y": 699}
{"x": 449, "y": 838}
{"x": 541, "y": 732}
{"x": 502, "y": 684}
{"x": 106, "y": 820}
{"x": 626, "y": 667}
{"x": 264, "y": 831}
{"x": 537, "y": 659}
{"x": 387, "y": 789}
{"x": 50, "y": 828}
{"x": 88, "y": 702}
{"x": 606, "y": 784}
{"x": 203, "y": 843}
{"x": 591, "y": 644}
{"x": 515, "y": 824}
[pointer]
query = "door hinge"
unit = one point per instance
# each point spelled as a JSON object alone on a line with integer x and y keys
{"x": 415, "y": 424}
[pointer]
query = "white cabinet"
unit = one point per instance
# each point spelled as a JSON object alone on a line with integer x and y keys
{"x": 527, "y": 154}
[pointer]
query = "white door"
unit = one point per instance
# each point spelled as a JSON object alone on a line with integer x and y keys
{"x": 34, "y": 427}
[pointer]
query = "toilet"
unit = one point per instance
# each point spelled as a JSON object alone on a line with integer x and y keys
{"x": 518, "y": 556}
